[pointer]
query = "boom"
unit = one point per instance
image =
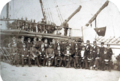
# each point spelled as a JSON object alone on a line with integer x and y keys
{"x": 77, "y": 10}
{"x": 94, "y": 17}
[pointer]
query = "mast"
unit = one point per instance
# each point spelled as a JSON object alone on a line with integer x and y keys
{"x": 7, "y": 14}
{"x": 42, "y": 10}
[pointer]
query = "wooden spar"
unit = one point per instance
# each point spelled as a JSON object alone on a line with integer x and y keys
{"x": 96, "y": 14}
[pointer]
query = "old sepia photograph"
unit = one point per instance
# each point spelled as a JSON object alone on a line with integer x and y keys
{"x": 60, "y": 40}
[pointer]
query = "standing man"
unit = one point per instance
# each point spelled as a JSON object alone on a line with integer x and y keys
{"x": 29, "y": 44}
{"x": 39, "y": 43}
{"x": 94, "y": 50}
{"x": 109, "y": 56}
{"x": 76, "y": 57}
{"x": 87, "y": 52}
{"x": 90, "y": 59}
{"x": 102, "y": 48}
{"x": 66, "y": 27}
{"x": 57, "y": 44}
{"x": 21, "y": 42}
{"x": 109, "y": 51}
{"x": 26, "y": 24}
{"x": 39, "y": 26}
{"x": 46, "y": 44}
{"x": 35, "y": 42}
{"x": 34, "y": 26}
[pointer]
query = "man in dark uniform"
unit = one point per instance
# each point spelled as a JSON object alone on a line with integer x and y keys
{"x": 87, "y": 52}
{"x": 68, "y": 56}
{"x": 102, "y": 48}
{"x": 70, "y": 44}
{"x": 107, "y": 57}
{"x": 118, "y": 62}
{"x": 22, "y": 24}
{"x": 53, "y": 44}
{"x": 42, "y": 55}
{"x": 66, "y": 26}
{"x": 20, "y": 46}
{"x": 35, "y": 42}
{"x": 94, "y": 50}
{"x": 76, "y": 45}
{"x": 39, "y": 43}
{"x": 29, "y": 45}
{"x": 109, "y": 51}
{"x": 46, "y": 44}
{"x": 58, "y": 56}
{"x": 39, "y": 26}
{"x": 77, "y": 57}
{"x": 82, "y": 59}
{"x": 24, "y": 54}
{"x": 50, "y": 55}
{"x": 34, "y": 53}
{"x": 30, "y": 26}
{"x": 14, "y": 51}
{"x": 21, "y": 42}
{"x": 26, "y": 24}
{"x": 58, "y": 43}
{"x": 34, "y": 26}
{"x": 90, "y": 58}
{"x": 97, "y": 59}
{"x": 63, "y": 46}
{"x": 81, "y": 45}
{"x": 43, "y": 22}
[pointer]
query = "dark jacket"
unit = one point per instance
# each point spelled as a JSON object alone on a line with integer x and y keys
{"x": 29, "y": 45}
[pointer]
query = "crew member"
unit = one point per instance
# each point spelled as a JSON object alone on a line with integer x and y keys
{"x": 50, "y": 55}
{"x": 102, "y": 48}
{"x": 34, "y": 52}
{"x": 76, "y": 57}
{"x": 58, "y": 56}
{"x": 67, "y": 56}
{"x": 24, "y": 54}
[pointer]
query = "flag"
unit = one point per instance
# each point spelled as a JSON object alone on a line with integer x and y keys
{"x": 100, "y": 31}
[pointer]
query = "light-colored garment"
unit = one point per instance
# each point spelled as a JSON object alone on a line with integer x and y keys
{"x": 82, "y": 53}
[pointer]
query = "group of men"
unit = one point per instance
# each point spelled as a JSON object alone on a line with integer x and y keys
{"x": 42, "y": 26}
{"x": 60, "y": 53}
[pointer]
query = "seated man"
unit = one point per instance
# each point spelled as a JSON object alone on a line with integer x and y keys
{"x": 50, "y": 55}
{"x": 58, "y": 56}
{"x": 97, "y": 59}
{"x": 42, "y": 55}
{"x": 68, "y": 56}
{"x": 34, "y": 52}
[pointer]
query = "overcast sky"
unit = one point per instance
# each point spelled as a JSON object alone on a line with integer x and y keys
{"x": 109, "y": 17}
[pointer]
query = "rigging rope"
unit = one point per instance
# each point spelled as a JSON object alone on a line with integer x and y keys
{"x": 58, "y": 11}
